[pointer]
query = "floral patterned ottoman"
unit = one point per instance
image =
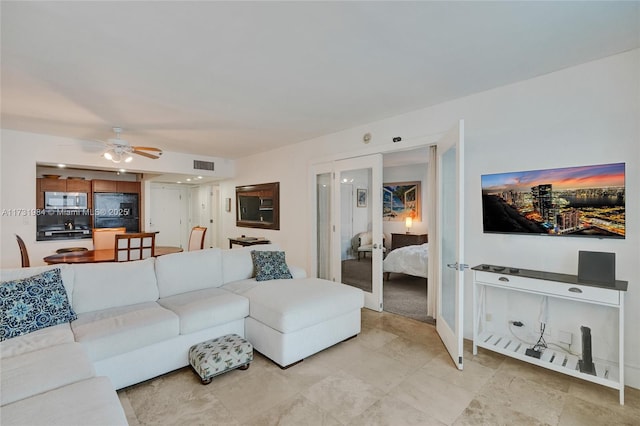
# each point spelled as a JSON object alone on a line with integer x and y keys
{"x": 217, "y": 356}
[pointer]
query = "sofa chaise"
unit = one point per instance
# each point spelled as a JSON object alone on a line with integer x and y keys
{"x": 137, "y": 320}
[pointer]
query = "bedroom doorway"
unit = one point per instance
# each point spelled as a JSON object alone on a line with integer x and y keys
{"x": 406, "y": 249}
{"x": 326, "y": 248}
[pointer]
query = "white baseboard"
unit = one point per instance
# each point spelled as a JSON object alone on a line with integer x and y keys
{"x": 632, "y": 376}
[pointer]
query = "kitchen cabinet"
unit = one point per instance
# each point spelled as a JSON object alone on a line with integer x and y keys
{"x": 126, "y": 187}
{"x": 100, "y": 185}
{"x": 78, "y": 185}
{"x": 53, "y": 185}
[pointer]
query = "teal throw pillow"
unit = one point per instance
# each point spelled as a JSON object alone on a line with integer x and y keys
{"x": 33, "y": 303}
{"x": 270, "y": 265}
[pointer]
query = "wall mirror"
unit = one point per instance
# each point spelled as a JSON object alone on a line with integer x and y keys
{"x": 258, "y": 206}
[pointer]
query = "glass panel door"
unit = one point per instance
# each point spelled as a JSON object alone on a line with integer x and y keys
{"x": 358, "y": 246}
{"x": 449, "y": 314}
{"x": 323, "y": 228}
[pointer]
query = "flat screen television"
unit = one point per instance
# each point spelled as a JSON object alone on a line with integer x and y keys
{"x": 570, "y": 201}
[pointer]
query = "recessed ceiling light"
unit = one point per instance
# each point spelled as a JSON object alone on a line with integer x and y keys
{"x": 122, "y": 170}
{"x": 62, "y": 166}
{"x": 178, "y": 182}
{"x": 199, "y": 177}
{"x": 188, "y": 179}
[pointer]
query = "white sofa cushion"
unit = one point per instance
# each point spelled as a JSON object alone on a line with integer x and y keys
{"x": 239, "y": 287}
{"x": 99, "y": 286}
{"x": 66, "y": 273}
{"x": 188, "y": 271}
{"x": 56, "y": 335}
{"x": 237, "y": 263}
{"x": 115, "y": 331}
{"x": 290, "y": 305}
{"x": 43, "y": 370}
{"x": 206, "y": 308}
{"x": 89, "y": 402}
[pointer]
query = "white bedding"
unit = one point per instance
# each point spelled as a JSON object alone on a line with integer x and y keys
{"x": 410, "y": 260}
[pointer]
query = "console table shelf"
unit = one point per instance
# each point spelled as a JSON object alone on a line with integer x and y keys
{"x": 557, "y": 360}
{"x": 557, "y": 286}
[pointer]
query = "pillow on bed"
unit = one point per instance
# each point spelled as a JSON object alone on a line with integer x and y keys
{"x": 33, "y": 303}
{"x": 270, "y": 265}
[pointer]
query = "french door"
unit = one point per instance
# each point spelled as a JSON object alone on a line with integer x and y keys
{"x": 450, "y": 304}
{"x": 349, "y": 203}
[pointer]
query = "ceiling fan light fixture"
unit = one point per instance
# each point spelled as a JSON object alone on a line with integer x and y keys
{"x": 119, "y": 149}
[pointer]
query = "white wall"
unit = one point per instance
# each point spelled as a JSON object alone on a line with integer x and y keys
{"x": 19, "y": 154}
{"x": 582, "y": 115}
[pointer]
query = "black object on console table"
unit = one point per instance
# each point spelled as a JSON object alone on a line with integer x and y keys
{"x": 247, "y": 241}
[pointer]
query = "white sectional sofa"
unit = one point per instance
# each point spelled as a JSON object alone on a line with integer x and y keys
{"x": 137, "y": 320}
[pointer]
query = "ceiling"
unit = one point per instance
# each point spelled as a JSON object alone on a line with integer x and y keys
{"x": 229, "y": 79}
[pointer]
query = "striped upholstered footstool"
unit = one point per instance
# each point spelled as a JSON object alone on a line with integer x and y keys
{"x": 217, "y": 356}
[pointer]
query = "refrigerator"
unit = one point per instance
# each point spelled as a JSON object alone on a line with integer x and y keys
{"x": 114, "y": 210}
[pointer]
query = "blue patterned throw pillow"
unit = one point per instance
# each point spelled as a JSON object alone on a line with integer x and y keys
{"x": 33, "y": 303}
{"x": 270, "y": 265}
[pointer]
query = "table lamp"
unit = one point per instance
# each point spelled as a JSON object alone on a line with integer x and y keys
{"x": 408, "y": 222}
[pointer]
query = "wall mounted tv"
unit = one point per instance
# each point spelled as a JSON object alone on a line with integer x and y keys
{"x": 571, "y": 201}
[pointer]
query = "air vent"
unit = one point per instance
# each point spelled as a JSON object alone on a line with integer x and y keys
{"x": 203, "y": 165}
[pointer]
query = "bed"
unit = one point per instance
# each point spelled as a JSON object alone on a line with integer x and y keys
{"x": 410, "y": 260}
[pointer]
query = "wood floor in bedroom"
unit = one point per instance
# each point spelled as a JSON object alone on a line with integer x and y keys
{"x": 396, "y": 372}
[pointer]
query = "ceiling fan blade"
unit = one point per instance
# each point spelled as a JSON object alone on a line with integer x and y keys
{"x": 147, "y": 148}
{"x": 146, "y": 154}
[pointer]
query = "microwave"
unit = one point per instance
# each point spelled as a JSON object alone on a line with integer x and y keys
{"x": 65, "y": 200}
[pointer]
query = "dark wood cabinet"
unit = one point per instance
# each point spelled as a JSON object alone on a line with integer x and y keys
{"x": 78, "y": 185}
{"x": 53, "y": 185}
{"x": 402, "y": 240}
{"x": 99, "y": 185}
{"x": 127, "y": 187}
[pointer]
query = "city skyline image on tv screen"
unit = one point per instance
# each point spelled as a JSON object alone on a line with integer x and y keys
{"x": 570, "y": 201}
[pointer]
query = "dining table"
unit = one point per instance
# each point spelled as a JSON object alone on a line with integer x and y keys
{"x": 99, "y": 256}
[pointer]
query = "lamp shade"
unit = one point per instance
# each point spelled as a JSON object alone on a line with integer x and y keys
{"x": 408, "y": 222}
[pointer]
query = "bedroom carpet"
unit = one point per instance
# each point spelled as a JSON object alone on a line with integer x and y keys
{"x": 403, "y": 294}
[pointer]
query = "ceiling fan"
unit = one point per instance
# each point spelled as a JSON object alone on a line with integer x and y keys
{"x": 120, "y": 150}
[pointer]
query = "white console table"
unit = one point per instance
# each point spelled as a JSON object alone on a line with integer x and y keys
{"x": 561, "y": 286}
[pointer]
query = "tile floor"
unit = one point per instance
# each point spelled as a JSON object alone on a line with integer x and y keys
{"x": 396, "y": 372}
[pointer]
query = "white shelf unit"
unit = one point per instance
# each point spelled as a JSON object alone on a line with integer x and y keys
{"x": 553, "y": 285}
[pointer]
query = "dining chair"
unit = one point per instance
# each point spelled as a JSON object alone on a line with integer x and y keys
{"x": 196, "y": 238}
{"x": 24, "y": 256}
{"x": 135, "y": 246}
{"x": 104, "y": 238}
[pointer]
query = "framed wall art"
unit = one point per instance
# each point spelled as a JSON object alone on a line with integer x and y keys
{"x": 401, "y": 200}
{"x": 361, "y": 197}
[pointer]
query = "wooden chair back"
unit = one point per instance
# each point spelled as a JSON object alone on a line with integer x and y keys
{"x": 104, "y": 238}
{"x": 196, "y": 238}
{"x": 136, "y": 246}
{"x": 24, "y": 255}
